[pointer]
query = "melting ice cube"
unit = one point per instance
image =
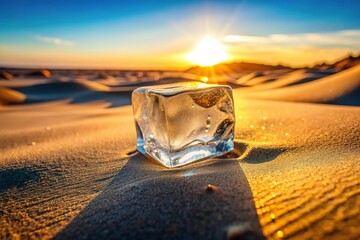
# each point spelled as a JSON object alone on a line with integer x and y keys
{"x": 182, "y": 124}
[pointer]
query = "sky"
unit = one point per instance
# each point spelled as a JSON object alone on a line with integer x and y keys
{"x": 149, "y": 34}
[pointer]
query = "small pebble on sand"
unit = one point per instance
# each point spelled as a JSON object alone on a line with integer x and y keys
{"x": 211, "y": 188}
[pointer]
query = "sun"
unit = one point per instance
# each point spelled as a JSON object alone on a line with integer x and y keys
{"x": 208, "y": 52}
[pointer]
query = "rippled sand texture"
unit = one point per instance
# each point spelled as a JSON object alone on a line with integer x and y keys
{"x": 69, "y": 169}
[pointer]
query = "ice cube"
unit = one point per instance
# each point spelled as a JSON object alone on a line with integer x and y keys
{"x": 182, "y": 124}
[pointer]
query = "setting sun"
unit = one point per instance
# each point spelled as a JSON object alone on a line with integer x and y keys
{"x": 208, "y": 52}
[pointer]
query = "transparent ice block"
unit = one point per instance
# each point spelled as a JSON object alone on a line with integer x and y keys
{"x": 182, "y": 124}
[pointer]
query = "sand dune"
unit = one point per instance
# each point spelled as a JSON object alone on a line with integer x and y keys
{"x": 79, "y": 90}
{"x": 8, "y": 96}
{"x": 69, "y": 169}
{"x": 276, "y": 80}
{"x": 234, "y": 67}
{"x": 5, "y": 75}
{"x": 52, "y": 87}
{"x": 43, "y": 73}
{"x": 72, "y": 173}
{"x": 340, "y": 88}
{"x": 347, "y": 62}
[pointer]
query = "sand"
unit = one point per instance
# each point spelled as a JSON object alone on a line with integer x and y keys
{"x": 340, "y": 88}
{"x": 69, "y": 169}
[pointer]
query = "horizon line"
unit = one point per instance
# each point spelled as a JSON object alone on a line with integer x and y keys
{"x": 22, "y": 66}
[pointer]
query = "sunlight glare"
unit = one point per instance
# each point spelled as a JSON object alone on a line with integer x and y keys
{"x": 208, "y": 52}
{"x": 204, "y": 78}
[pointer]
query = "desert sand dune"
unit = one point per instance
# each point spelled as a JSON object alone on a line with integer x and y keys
{"x": 261, "y": 77}
{"x": 43, "y": 73}
{"x": 340, "y": 88}
{"x": 53, "y": 87}
{"x": 271, "y": 81}
{"x": 8, "y": 96}
{"x": 80, "y": 90}
{"x": 70, "y": 167}
{"x": 234, "y": 67}
{"x": 21, "y": 82}
{"x": 72, "y": 172}
{"x": 347, "y": 62}
{"x": 5, "y": 75}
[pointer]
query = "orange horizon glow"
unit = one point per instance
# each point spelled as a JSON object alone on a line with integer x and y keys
{"x": 178, "y": 62}
{"x": 271, "y": 50}
{"x": 172, "y": 35}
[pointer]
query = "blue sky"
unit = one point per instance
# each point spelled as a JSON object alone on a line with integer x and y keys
{"x": 155, "y": 34}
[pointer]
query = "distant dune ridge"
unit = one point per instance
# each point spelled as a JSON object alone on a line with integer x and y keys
{"x": 235, "y": 67}
{"x": 5, "y": 75}
{"x": 69, "y": 168}
{"x": 348, "y": 62}
{"x": 337, "y": 83}
{"x": 245, "y": 67}
{"x": 39, "y": 73}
